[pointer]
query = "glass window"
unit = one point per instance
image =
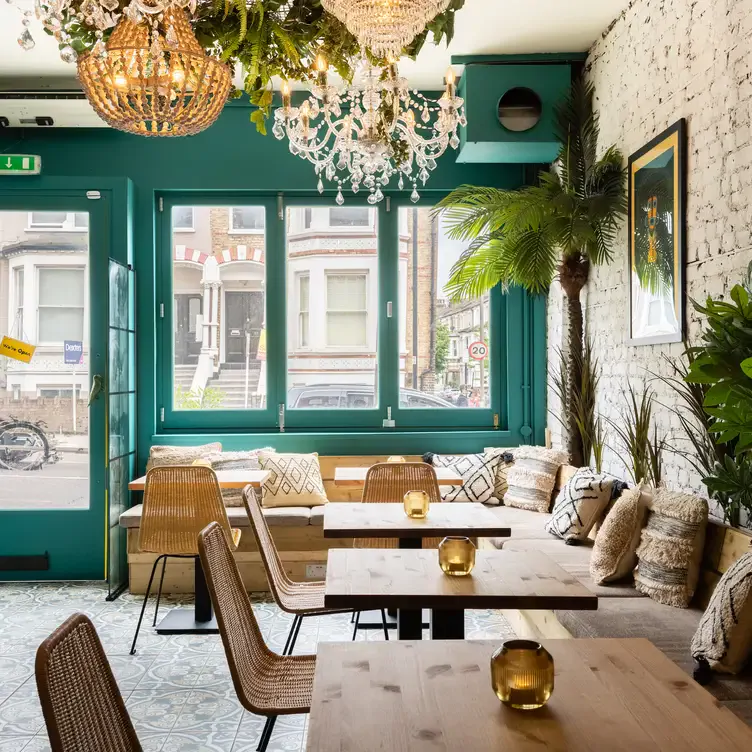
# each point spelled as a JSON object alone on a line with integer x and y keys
{"x": 182, "y": 218}
{"x": 350, "y": 216}
{"x": 48, "y": 219}
{"x": 332, "y": 312}
{"x": 17, "y": 325}
{"x": 304, "y": 282}
{"x": 61, "y": 304}
{"x": 219, "y": 312}
{"x": 59, "y": 220}
{"x": 247, "y": 219}
{"x": 346, "y": 310}
{"x": 437, "y": 357}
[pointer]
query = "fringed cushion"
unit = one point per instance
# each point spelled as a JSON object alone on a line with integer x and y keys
{"x": 478, "y": 472}
{"x": 505, "y": 462}
{"x": 233, "y": 497}
{"x": 615, "y": 549}
{"x": 670, "y": 550}
{"x": 724, "y": 637}
{"x": 580, "y": 505}
{"x": 532, "y": 478}
{"x": 294, "y": 480}
{"x": 159, "y": 456}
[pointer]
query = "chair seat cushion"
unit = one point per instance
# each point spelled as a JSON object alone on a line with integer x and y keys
{"x": 669, "y": 629}
{"x": 317, "y": 516}
{"x": 237, "y": 517}
{"x": 576, "y": 561}
{"x": 524, "y": 523}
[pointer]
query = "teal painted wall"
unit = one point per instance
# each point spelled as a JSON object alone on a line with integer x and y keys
{"x": 230, "y": 156}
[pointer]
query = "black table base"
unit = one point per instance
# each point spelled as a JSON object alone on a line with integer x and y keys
{"x": 200, "y": 620}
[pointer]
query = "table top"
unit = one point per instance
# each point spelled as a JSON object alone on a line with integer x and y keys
{"x": 348, "y": 520}
{"x": 366, "y": 578}
{"x": 356, "y": 476}
{"x": 226, "y": 478}
{"x": 616, "y": 695}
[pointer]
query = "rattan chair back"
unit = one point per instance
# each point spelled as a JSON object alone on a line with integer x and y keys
{"x": 179, "y": 502}
{"x": 82, "y": 705}
{"x": 389, "y": 482}
{"x": 254, "y": 668}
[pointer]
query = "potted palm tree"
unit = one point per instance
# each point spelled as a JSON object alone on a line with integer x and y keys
{"x": 559, "y": 227}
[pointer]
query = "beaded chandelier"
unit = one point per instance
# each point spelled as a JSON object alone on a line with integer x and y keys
{"x": 385, "y": 27}
{"x": 153, "y": 78}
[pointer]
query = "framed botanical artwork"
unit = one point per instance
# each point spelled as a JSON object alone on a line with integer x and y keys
{"x": 657, "y": 194}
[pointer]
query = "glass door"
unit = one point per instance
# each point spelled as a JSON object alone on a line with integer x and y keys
{"x": 53, "y": 307}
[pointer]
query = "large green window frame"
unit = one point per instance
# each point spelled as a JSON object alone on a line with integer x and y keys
{"x": 513, "y": 317}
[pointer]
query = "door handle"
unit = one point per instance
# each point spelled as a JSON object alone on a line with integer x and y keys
{"x": 97, "y": 387}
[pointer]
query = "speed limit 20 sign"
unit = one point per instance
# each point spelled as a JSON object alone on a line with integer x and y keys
{"x": 478, "y": 350}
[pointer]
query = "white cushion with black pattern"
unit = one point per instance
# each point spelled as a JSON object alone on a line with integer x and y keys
{"x": 478, "y": 472}
{"x": 579, "y": 505}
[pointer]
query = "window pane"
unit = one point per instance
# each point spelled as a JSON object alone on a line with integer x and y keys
{"x": 332, "y": 305}
{"x": 59, "y": 324}
{"x": 444, "y": 347}
{"x": 60, "y": 287}
{"x": 247, "y": 218}
{"x": 81, "y": 220}
{"x": 219, "y": 313}
{"x": 182, "y": 217}
{"x": 52, "y": 219}
{"x": 341, "y": 216}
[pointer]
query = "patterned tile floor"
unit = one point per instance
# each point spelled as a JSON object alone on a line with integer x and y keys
{"x": 178, "y": 689}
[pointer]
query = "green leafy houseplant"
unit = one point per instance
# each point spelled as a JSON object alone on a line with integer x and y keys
{"x": 209, "y": 398}
{"x": 559, "y": 227}
{"x": 273, "y": 38}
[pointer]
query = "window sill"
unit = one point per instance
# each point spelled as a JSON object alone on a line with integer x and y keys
{"x": 44, "y": 228}
{"x": 246, "y": 232}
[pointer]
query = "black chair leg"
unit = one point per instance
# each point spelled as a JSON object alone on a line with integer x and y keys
{"x": 352, "y": 617}
{"x": 386, "y": 627}
{"x": 292, "y": 635}
{"x": 266, "y": 734}
{"x": 159, "y": 592}
{"x": 357, "y": 621}
{"x": 143, "y": 606}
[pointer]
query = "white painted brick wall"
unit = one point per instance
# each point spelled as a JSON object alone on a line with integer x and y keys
{"x": 662, "y": 60}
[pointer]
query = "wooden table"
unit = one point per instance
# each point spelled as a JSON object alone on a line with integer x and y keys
{"x": 367, "y": 578}
{"x": 227, "y": 479}
{"x": 355, "y": 477}
{"x": 609, "y": 696}
{"x": 200, "y": 620}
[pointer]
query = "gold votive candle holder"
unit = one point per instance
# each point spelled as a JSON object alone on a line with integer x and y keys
{"x": 456, "y": 556}
{"x": 396, "y": 458}
{"x": 522, "y": 674}
{"x": 416, "y": 504}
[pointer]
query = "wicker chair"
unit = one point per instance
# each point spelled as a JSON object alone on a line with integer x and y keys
{"x": 179, "y": 502}
{"x": 299, "y": 598}
{"x": 83, "y": 708}
{"x": 266, "y": 683}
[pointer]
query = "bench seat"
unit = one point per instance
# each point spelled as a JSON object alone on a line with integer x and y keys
{"x": 275, "y": 517}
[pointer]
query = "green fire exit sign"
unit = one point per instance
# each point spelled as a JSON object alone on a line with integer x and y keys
{"x": 20, "y": 164}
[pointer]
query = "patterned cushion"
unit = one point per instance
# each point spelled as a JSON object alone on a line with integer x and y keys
{"x": 476, "y": 470}
{"x": 532, "y": 477}
{"x": 670, "y": 548}
{"x": 615, "y": 550}
{"x": 579, "y": 505}
{"x": 294, "y": 480}
{"x": 724, "y": 637}
{"x": 506, "y": 461}
{"x": 233, "y": 497}
{"x": 159, "y": 456}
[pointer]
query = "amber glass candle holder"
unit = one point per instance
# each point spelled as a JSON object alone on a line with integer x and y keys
{"x": 396, "y": 458}
{"x": 456, "y": 556}
{"x": 416, "y": 504}
{"x": 522, "y": 674}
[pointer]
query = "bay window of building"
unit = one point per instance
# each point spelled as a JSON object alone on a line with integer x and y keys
{"x": 61, "y": 294}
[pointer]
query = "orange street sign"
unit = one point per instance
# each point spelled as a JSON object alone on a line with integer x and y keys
{"x": 14, "y": 348}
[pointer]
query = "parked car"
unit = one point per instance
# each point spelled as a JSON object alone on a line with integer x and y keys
{"x": 355, "y": 397}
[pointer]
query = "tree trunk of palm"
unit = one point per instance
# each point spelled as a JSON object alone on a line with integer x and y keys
{"x": 573, "y": 275}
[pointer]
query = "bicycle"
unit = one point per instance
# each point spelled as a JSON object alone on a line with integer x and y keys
{"x": 24, "y": 445}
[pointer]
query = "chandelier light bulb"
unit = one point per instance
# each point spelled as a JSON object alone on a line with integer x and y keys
{"x": 450, "y": 77}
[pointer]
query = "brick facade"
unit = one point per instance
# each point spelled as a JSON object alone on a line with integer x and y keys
{"x": 659, "y": 61}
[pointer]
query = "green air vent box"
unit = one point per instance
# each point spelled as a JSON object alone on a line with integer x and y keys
{"x": 510, "y": 111}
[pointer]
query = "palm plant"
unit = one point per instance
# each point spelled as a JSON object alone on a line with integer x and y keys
{"x": 561, "y": 226}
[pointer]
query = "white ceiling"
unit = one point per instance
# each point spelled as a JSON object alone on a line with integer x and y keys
{"x": 482, "y": 27}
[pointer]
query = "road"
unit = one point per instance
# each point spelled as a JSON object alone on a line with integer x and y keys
{"x": 64, "y": 485}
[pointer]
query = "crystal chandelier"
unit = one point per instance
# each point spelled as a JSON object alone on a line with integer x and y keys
{"x": 373, "y": 130}
{"x": 155, "y": 84}
{"x": 385, "y": 27}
